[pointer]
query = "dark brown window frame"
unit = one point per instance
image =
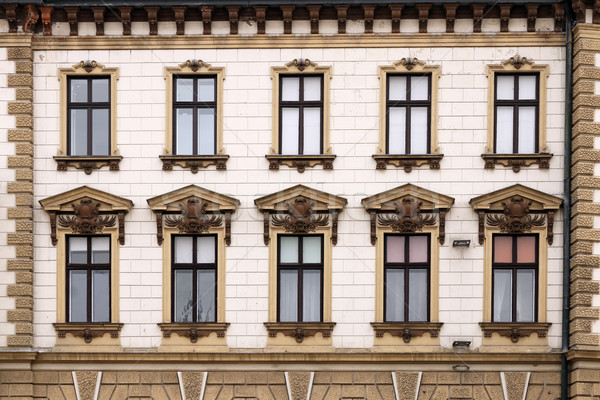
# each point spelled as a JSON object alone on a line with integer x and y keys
{"x": 408, "y": 104}
{"x": 300, "y": 267}
{"x": 406, "y": 266}
{"x": 300, "y": 104}
{"x": 516, "y": 104}
{"x": 89, "y": 105}
{"x": 195, "y": 105}
{"x": 514, "y": 267}
{"x": 194, "y": 268}
{"x": 89, "y": 267}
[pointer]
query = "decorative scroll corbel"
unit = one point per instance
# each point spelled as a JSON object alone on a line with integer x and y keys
{"x": 550, "y": 228}
{"x": 481, "y": 227}
{"x": 579, "y": 8}
{"x": 313, "y": 11}
{"x": 477, "y": 17}
{"x": 206, "y": 18}
{"x": 504, "y": 16}
{"x": 47, "y": 19}
{"x": 450, "y": 16}
{"x": 342, "y": 12}
{"x": 442, "y": 237}
{"x": 233, "y": 19}
{"x": 266, "y": 224}
{"x": 287, "y": 11}
{"x": 126, "y": 19}
{"x": 31, "y": 18}
{"x": 228, "y": 228}
{"x": 396, "y": 10}
{"x": 10, "y": 11}
{"x": 334, "y": 227}
{"x": 72, "y": 13}
{"x": 53, "y": 228}
{"x": 559, "y": 17}
{"x": 423, "y": 16}
{"x": 179, "y": 12}
{"x": 369, "y": 10}
{"x": 261, "y": 16}
{"x": 121, "y": 218}
{"x": 99, "y": 20}
{"x": 532, "y": 11}
{"x": 153, "y": 19}
{"x": 159, "y": 227}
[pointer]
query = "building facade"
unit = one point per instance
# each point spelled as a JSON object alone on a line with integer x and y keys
{"x": 299, "y": 200}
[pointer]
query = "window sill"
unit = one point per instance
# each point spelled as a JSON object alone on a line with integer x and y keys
{"x": 408, "y": 161}
{"x": 299, "y": 330}
{"x": 516, "y": 161}
{"x": 515, "y": 330}
{"x": 193, "y": 163}
{"x": 300, "y": 162}
{"x": 88, "y": 330}
{"x": 87, "y": 163}
{"x": 193, "y": 330}
{"x": 407, "y": 330}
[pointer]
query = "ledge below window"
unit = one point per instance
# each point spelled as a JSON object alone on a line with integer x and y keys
{"x": 300, "y": 162}
{"x": 515, "y": 330}
{"x": 408, "y": 161}
{"x": 88, "y": 331}
{"x": 299, "y": 330}
{"x": 407, "y": 330}
{"x": 87, "y": 163}
{"x": 193, "y": 163}
{"x": 193, "y": 331}
{"x": 516, "y": 161}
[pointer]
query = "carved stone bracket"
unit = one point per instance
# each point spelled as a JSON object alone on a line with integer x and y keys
{"x": 47, "y": 19}
{"x": 481, "y": 224}
{"x": 407, "y": 330}
{"x": 596, "y": 12}
{"x": 559, "y": 17}
{"x": 373, "y": 219}
{"x": 10, "y": 11}
{"x": 126, "y": 19}
{"x": 287, "y": 11}
{"x": 450, "y": 16}
{"x": 179, "y": 13}
{"x": 99, "y": 20}
{"x": 396, "y": 10}
{"x": 233, "y": 19}
{"x": 504, "y": 16}
{"x": 299, "y": 330}
{"x": 408, "y": 161}
{"x": 369, "y": 10}
{"x": 517, "y": 161}
{"x": 153, "y": 19}
{"x": 159, "y": 227}
{"x": 515, "y": 330}
{"x": 194, "y": 331}
{"x": 477, "y": 16}
{"x": 313, "y": 11}
{"x": 194, "y": 163}
{"x": 261, "y": 16}
{"x": 342, "y": 12}
{"x": 206, "y": 19}
{"x": 72, "y": 17}
{"x": 31, "y": 18}
{"x": 300, "y": 162}
{"x": 423, "y": 16}
{"x": 579, "y": 8}
{"x": 87, "y": 163}
{"x": 532, "y": 10}
{"x": 87, "y": 331}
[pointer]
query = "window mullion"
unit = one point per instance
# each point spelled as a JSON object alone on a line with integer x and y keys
{"x": 301, "y": 116}
{"x": 194, "y": 269}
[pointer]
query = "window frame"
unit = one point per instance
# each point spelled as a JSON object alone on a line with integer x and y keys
{"x": 195, "y": 268}
{"x": 514, "y": 267}
{"x": 406, "y": 267}
{"x": 300, "y": 268}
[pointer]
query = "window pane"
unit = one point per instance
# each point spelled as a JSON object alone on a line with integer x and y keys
{"x": 79, "y": 133}
{"x": 417, "y": 252}
{"x": 182, "y": 294}
{"x": 77, "y": 250}
{"x": 397, "y": 88}
{"x": 100, "y": 90}
{"x": 527, "y": 87}
{"x": 417, "y": 295}
{"x": 311, "y": 292}
{"x": 207, "y": 283}
{"x": 183, "y": 249}
{"x": 185, "y": 89}
{"x": 504, "y": 130}
{"x": 526, "y": 295}
{"x": 394, "y": 295}
{"x": 288, "y": 250}
{"x": 397, "y": 130}
{"x": 100, "y": 296}
{"x": 419, "y": 88}
{"x": 395, "y": 249}
{"x": 206, "y": 249}
{"x": 311, "y": 250}
{"x": 290, "y": 89}
{"x": 527, "y": 130}
{"x": 184, "y": 124}
{"x": 288, "y": 296}
{"x": 502, "y": 296}
{"x": 206, "y": 131}
{"x": 77, "y": 296}
{"x": 526, "y": 249}
{"x": 100, "y": 135}
{"x": 79, "y": 90}
{"x": 418, "y": 130}
{"x": 206, "y": 89}
{"x": 312, "y": 88}
{"x": 312, "y": 131}
{"x": 289, "y": 130}
{"x": 101, "y": 250}
{"x": 505, "y": 87}
{"x": 503, "y": 249}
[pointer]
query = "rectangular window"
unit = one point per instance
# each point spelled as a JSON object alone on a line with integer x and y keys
{"x": 301, "y": 114}
{"x": 88, "y": 278}
{"x": 194, "y": 278}
{"x": 514, "y": 278}
{"x": 88, "y": 116}
{"x": 408, "y": 111}
{"x": 516, "y": 113}
{"x": 407, "y": 277}
{"x": 300, "y": 278}
{"x": 194, "y": 115}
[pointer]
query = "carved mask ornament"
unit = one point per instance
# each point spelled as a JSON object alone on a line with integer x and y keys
{"x": 300, "y": 218}
{"x": 193, "y": 218}
{"x": 87, "y": 218}
{"x": 408, "y": 217}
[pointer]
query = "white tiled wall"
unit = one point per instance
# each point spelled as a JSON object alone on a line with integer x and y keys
{"x": 247, "y": 138}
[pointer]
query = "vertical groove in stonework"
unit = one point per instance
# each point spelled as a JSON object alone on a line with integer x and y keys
{"x": 22, "y": 188}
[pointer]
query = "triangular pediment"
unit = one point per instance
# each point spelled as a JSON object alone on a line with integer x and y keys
{"x": 171, "y": 201}
{"x": 63, "y": 202}
{"x": 540, "y": 201}
{"x": 430, "y": 200}
{"x": 323, "y": 201}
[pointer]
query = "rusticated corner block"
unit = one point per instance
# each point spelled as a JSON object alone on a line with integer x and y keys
{"x": 19, "y": 53}
{"x": 299, "y": 383}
